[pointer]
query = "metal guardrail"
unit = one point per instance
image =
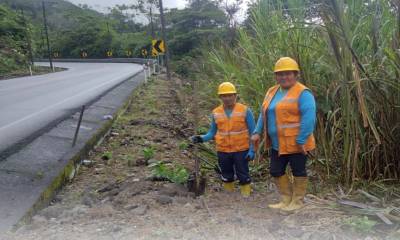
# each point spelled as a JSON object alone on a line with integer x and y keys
{"x": 100, "y": 60}
{"x": 150, "y": 66}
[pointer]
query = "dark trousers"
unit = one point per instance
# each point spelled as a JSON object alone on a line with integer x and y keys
{"x": 231, "y": 163}
{"x": 297, "y": 163}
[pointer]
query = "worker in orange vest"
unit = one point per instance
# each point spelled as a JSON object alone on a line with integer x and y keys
{"x": 288, "y": 117}
{"x": 231, "y": 126}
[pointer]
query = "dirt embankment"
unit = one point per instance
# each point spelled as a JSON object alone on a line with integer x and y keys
{"x": 115, "y": 197}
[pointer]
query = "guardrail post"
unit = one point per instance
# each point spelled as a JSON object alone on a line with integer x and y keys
{"x": 145, "y": 73}
{"x": 149, "y": 68}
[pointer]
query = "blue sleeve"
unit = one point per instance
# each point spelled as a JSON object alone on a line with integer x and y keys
{"x": 308, "y": 116}
{"x": 211, "y": 132}
{"x": 250, "y": 125}
{"x": 260, "y": 123}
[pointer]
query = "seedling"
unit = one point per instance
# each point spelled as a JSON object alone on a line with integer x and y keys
{"x": 176, "y": 174}
{"x": 148, "y": 153}
{"x": 183, "y": 145}
{"x": 106, "y": 155}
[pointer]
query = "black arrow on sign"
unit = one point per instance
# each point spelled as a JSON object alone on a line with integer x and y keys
{"x": 157, "y": 46}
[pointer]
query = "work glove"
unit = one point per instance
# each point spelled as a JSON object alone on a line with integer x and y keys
{"x": 250, "y": 155}
{"x": 197, "y": 139}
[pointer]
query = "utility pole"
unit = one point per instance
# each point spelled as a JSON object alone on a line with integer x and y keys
{"x": 28, "y": 37}
{"x": 151, "y": 23}
{"x": 47, "y": 36}
{"x": 165, "y": 39}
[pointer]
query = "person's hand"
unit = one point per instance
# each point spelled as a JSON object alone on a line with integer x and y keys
{"x": 250, "y": 155}
{"x": 255, "y": 140}
{"x": 303, "y": 149}
{"x": 196, "y": 139}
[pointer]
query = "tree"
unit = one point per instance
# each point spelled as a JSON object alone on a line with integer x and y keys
{"x": 13, "y": 42}
{"x": 202, "y": 21}
{"x": 149, "y": 8}
{"x": 231, "y": 10}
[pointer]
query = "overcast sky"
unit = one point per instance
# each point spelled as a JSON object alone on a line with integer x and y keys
{"x": 102, "y": 5}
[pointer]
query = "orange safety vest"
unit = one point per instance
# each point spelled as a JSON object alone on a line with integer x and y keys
{"x": 288, "y": 119}
{"x": 232, "y": 134}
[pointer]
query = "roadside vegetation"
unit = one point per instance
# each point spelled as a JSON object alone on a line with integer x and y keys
{"x": 349, "y": 56}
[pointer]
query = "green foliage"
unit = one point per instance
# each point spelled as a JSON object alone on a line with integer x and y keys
{"x": 360, "y": 224}
{"x": 348, "y": 55}
{"x": 183, "y": 145}
{"x": 148, "y": 153}
{"x": 176, "y": 174}
{"x": 12, "y": 42}
{"x": 193, "y": 27}
{"x": 107, "y": 155}
{"x": 202, "y": 130}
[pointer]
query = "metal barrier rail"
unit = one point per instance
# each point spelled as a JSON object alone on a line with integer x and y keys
{"x": 100, "y": 60}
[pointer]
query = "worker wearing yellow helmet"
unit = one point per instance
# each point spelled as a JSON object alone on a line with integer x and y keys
{"x": 231, "y": 126}
{"x": 287, "y": 120}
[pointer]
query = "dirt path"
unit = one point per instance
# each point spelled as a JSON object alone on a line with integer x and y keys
{"x": 115, "y": 197}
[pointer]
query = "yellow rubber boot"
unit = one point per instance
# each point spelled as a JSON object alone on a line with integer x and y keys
{"x": 283, "y": 185}
{"x": 299, "y": 191}
{"x": 245, "y": 190}
{"x": 229, "y": 186}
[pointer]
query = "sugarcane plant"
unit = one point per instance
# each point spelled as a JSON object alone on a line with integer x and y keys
{"x": 349, "y": 54}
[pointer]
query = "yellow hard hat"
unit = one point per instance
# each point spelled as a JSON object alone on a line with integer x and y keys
{"x": 226, "y": 88}
{"x": 286, "y": 64}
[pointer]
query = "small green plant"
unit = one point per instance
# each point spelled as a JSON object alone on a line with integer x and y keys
{"x": 183, "y": 145}
{"x": 148, "y": 153}
{"x": 176, "y": 174}
{"x": 106, "y": 155}
{"x": 202, "y": 130}
{"x": 361, "y": 224}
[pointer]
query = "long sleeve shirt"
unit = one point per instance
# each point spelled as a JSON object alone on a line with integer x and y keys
{"x": 307, "y": 108}
{"x": 214, "y": 128}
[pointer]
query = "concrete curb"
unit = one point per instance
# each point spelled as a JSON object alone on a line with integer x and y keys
{"x": 71, "y": 160}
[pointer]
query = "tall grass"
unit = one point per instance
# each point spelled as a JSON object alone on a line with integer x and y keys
{"x": 349, "y": 53}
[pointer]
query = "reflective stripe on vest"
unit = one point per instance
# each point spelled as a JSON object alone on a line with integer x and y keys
{"x": 232, "y": 134}
{"x": 288, "y": 117}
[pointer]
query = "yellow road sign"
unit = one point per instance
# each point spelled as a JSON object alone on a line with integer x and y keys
{"x": 158, "y": 47}
{"x": 128, "y": 53}
{"x": 109, "y": 53}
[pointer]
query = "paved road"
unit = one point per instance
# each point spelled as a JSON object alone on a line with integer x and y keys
{"x": 28, "y": 104}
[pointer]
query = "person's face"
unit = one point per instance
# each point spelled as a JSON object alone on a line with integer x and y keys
{"x": 228, "y": 99}
{"x": 286, "y": 79}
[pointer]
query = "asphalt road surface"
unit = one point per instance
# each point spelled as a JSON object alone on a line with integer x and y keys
{"x": 28, "y": 104}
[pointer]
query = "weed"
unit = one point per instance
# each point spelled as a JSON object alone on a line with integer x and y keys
{"x": 176, "y": 174}
{"x": 360, "y": 224}
{"x": 148, "y": 153}
{"x": 107, "y": 155}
